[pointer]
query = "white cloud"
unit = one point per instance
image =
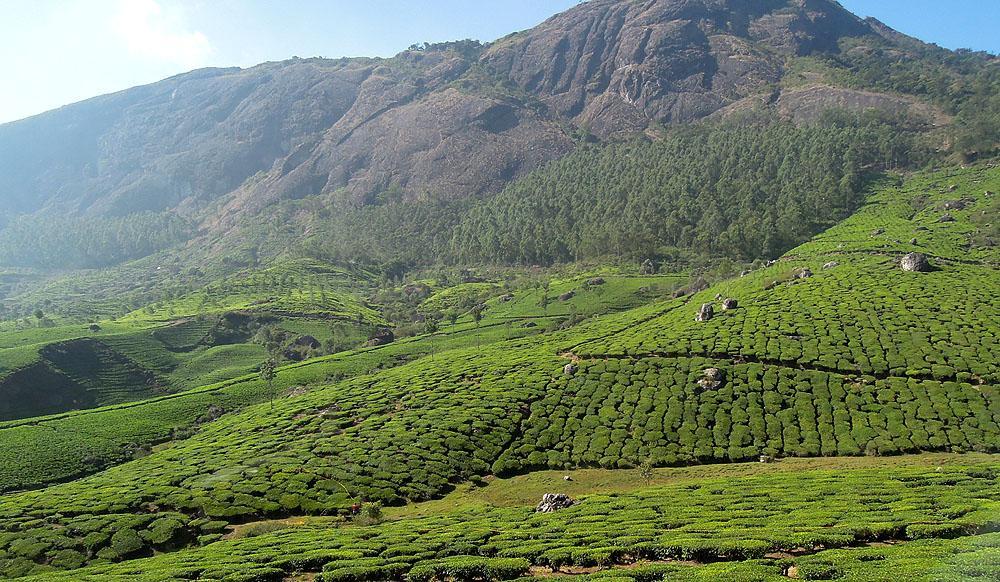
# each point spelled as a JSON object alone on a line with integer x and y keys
{"x": 149, "y": 32}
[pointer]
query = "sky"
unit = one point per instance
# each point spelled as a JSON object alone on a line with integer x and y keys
{"x": 55, "y": 52}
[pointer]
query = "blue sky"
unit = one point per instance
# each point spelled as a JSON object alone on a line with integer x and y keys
{"x": 56, "y": 52}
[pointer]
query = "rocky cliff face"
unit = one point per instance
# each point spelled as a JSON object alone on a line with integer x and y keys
{"x": 454, "y": 120}
{"x": 615, "y": 66}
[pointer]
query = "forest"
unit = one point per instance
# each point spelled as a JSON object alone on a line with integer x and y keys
{"x": 745, "y": 188}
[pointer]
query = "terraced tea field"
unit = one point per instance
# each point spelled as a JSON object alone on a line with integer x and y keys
{"x": 832, "y": 351}
{"x": 760, "y": 523}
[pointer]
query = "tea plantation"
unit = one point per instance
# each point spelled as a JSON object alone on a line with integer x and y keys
{"x": 189, "y": 341}
{"x": 748, "y": 526}
{"x": 832, "y": 351}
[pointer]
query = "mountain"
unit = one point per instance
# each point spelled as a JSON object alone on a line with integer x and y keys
{"x": 714, "y": 280}
{"x": 618, "y": 66}
{"x": 447, "y": 121}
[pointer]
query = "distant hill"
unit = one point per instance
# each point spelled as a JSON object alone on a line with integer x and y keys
{"x": 218, "y": 148}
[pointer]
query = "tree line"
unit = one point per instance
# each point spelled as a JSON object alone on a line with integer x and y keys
{"x": 747, "y": 188}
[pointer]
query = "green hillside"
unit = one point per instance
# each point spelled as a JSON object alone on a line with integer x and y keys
{"x": 191, "y": 340}
{"x": 857, "y": 358}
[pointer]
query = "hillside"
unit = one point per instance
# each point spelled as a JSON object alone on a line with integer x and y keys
{"x": 196, "y": 337}
{"x": 208, "y": 155}
{"x": 713, "y": 280}
{"x": 853, "y": 357}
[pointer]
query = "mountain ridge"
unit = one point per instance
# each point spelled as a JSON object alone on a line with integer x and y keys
{"x": 455, "y": 120}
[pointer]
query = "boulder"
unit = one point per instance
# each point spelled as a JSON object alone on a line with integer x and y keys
{"x": 878, "y": 232}
{"x": 946, "y": 218}
{"x": 647, "y": 267}
{"x": 954, "y": 205}
{"x": 915, "y": 263}
{"x": 804, "y": 274}
{"x": 570, "y": 369}
{"x": 913, "y": 241}
{"x": 730, "y": 304}
{"x": 596, "y": 281}
{"x": 831, "y": 265}
{"x": 567, "y": 296}
{"x": 554, "y": 502}
{"x": 953, "y": 187}
{"x": 706, "y": 312}
{"x": 766, "y": 459}
{"x": 506, "y": 298}
{"x": 711, "y": 378}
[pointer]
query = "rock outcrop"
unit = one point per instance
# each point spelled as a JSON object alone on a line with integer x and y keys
{"x": 554, "y": 502}
{"x": 617, "y": 66}
{"x": 915, "y": 263}
{"x": 711, "y": 378}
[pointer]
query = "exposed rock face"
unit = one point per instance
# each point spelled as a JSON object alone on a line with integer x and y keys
{"x": 554, "y": 502}
{"x": 915, "y": 263}
{"x": 615, "y": 66}
{"x": 705, "y": 313}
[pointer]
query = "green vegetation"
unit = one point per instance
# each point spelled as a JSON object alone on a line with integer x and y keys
{"x": 746, "y": 188}
{"x": 756, "y": 519}
{"x": 216, "y": 333}
{"x": 858, "y": 359}
{"x": 960, "y": 82}
{"x": 298, "y": 288}
{"x": 40, "y": 451}
{"x": 58, "y": 242}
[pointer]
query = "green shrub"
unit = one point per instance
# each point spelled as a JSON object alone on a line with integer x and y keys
{"x": 469, "y": 568}
{"x": 392, "y": 571}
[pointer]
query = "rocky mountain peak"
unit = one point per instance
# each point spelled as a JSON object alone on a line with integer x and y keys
{"x": 617, "y": 65}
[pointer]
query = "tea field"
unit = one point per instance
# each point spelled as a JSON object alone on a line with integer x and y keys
{"x": 755, "y": 527}
{"x": 832, "y": 352}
